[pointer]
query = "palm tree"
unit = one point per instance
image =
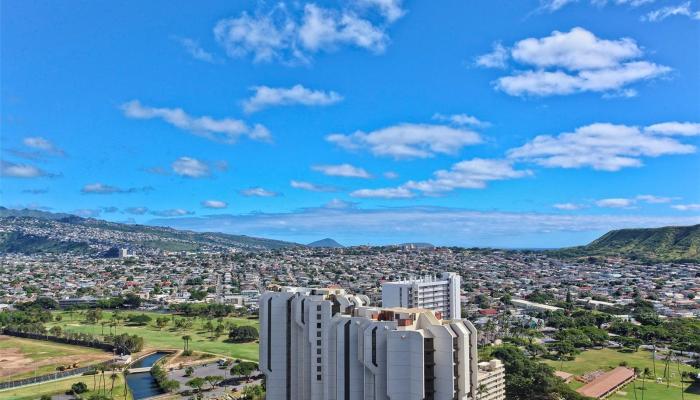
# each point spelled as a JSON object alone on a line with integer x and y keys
{"x": 113, "y": 378}
{"x": 187, "y": 339}
{"x": 126, "y": 372}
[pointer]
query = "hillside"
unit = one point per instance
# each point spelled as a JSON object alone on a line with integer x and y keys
{"x": 326, "y": 243}
{"x": 667, "y": 244}
{"x": 32, "y": 232}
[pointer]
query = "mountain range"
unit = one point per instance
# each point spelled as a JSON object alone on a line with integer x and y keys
{"x": 34, "y": 231}
{"x": 666, "y": 244}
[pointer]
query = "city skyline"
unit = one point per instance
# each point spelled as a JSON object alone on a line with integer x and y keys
{"x": 545, "y": 125}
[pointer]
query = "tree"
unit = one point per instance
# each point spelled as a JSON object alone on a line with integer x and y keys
{"x": 189, "y": 371}
{"x": 239, "y": 334}
{"x": 112, "y": 378}
{"x": 141, "y": 319}
{"x": 254, "y": 392}
{"x": 244, "y": 368}
{"x": 78, "y": 388}
{"x": 196, "y": 384}
{"x": 170, "y": 385}
{"x": 56, "y": 330}
{"x": 212, "y": 380}
{"x": 187, "y": 339}
{"x": 161, "y": 322}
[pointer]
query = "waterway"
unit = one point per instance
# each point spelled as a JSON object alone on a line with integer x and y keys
{"x": 141, "y": 384}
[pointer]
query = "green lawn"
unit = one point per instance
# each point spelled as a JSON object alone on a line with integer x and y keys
{"x": 168, "y": 337}
{"x": 22, "y": 358}
{"x": 607, "y": 359}
{"x": 53, "y": 388}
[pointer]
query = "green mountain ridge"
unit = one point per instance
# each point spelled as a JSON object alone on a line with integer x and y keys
{"x": 666, "y": 244}
{"x": 34, "y": 231}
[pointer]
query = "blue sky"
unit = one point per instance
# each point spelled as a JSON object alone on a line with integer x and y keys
{"x": 490, "y": 123}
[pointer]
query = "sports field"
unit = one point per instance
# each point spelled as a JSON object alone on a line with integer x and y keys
{"x": 168, "y": 337}
{"x": 23, "y": 358}
{"x": 607, "y": 359}
{"x": 59, "y": 387}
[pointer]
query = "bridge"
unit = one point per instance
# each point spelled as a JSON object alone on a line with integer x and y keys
{"x": 143, "y": 369}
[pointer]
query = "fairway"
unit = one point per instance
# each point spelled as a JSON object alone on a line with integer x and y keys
{"x": 607, "y": 359}
{"x": 168, "y": 337}
{"x": 60, "y": 387}
{"x": 23, "y": 358}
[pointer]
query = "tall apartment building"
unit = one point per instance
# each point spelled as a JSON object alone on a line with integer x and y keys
{"x": 325, "y": 344}
{"x": 491, "y": 383}
{"x": 439, "y": 294}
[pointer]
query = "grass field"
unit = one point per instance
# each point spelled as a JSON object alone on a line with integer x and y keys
{"x": 607, "y": 359}
{"x": 59, "y": 387}
{"x": 23, "y": 358}
{"x": 168, "y": 337}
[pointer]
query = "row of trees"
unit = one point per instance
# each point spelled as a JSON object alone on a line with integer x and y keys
{"x": 161, "y": 377}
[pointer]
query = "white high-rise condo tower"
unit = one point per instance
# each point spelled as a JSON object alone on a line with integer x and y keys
{"x": 324, "y": 344}
{"x": 438, "y": 294}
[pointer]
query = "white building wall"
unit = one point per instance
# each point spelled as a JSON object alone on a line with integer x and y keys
{"x": 405, "y": 365}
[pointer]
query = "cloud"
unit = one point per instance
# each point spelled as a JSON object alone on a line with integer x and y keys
{"x": 577, "y": 61}
{"x": 468, "y": 174}
{"x": 651, "y": 199}
{"x": 110, "y": 210}
{"x": 35, "y": 191}
{"x": 687, "y": 207}
{"x": 101, "y": 188}
{"x": 190, "y": 167}
{"x": 406, "y": 141}
{"x": 392, "y": 10}
{"x": 441, "y": 226}
{"x": 675, "y": 128}
{"x": 615, "y": 203}
{"x": 661, "y": 14}
{"x": 226, "y": 130}
{"x": 290, "y": 37}
{"x": 338, "y": 204}
{"x": 312, "y": 187}
{"x": 567, "y": 206}
{"x": 384, "y": 193}
{"x": 460, "y": 119}
{"x": 156, "y": 170}
{"x": 136, "y": 210}
{"x": 258, "y": 192}
{"x": 554, "y": 5}
{"x": 87, "y": 213}
{"x": 344, "y": 170}
{"x": 601, "y": 146}
{"x": 11, "y": 170}
{"x": 214, "y": 204}
{"x": 43, "y": 144}
{"x": 173, "y": 212}
{"x": 390, "y": 175}
{"x": 497, "y": 58}
{"x": 326, "y": 29}
{"x": 266, "y": 96}
{"x": 196, "y": 51}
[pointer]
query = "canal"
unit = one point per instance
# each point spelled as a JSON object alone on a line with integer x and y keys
{"x": 141, "y": 384}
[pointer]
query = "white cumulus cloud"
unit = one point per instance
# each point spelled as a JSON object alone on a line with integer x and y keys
{"x": 601, "y": 146}
{"x": 384, "y": 193}
{"x": 577, "y": 61}
{"x": 214, "y": 204}
{"x": 13, "y": 170}
{"x": 258, "y": 192}
{"x": 344, "y": 170}
{"x": 266, "y": 96}
{"x": 190, "y": 167}
{"x": 225, "y": 130}
{"x": 312, "y": 187}
{"x": 408, "y": 140}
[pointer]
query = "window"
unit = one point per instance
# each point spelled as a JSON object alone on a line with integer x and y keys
{"x": 318, "y": 360}
{"x": 318, "y": 307}
{"x": 318, "y": 325}
{"x": 318, "y": 316}
{"x": 318, "y": 368}
{"x": 318, "y": 334}
{"x": 318, "y": 342}
{"x": 318, "y": 351}
{"x": 318, "y": 377}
